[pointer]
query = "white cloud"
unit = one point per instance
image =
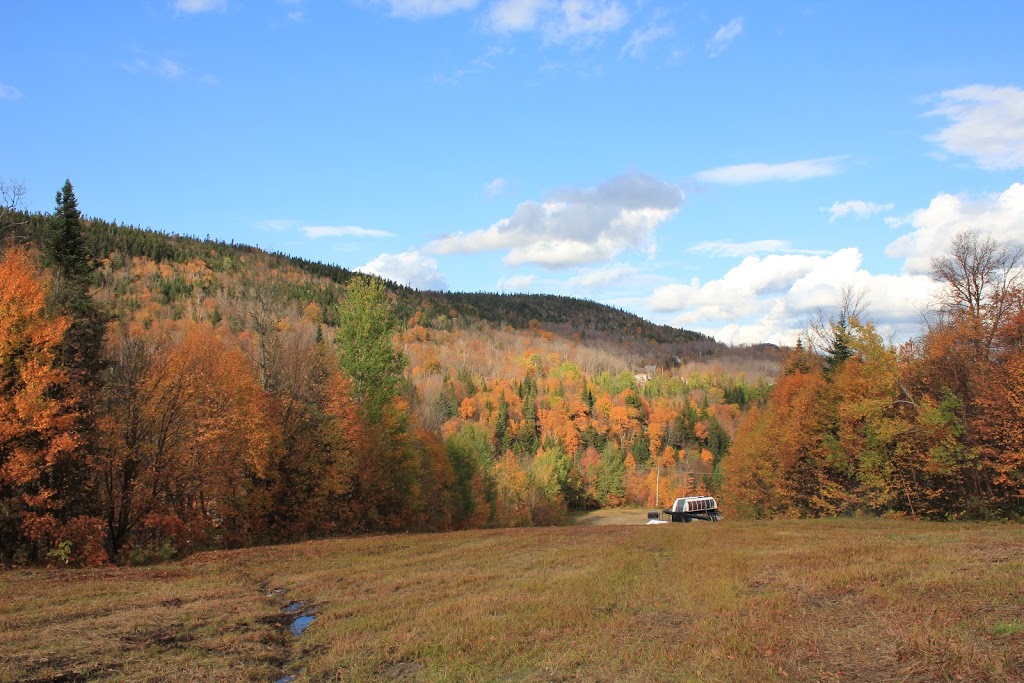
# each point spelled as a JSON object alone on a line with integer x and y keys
{"x": 734, "y": 249}
{"x": 209, "y": 79}
{"x": 576, "y": 226}
{"x": 9, "y": 92}
{"x": 1001, "y": 214}
{"x": 494, "y": 187}
{"x": 855, "y": 207}
{"x": 743, "y": 174}
{"x": 724, "y": 36}
{"x": 410, "y": 268}
{"x": 597, "y": 278}
{"x": 508, "y": 16}
{"x": 516, "y": 283}
{"x": 559, "y": 21}
{"x": 770, "y": 298}
{"x": 586, "y": 18}
{"x": 164, "y": 68}
{"x": 278, "y": 224}
{"x": 197, "y": 6}
{"x": 988, "y": 125}
{"x": 420, "y": 9}
{"x": 638, "y": 41}
{"x": 318, "y": 231}
{"x": 296, "y": 15}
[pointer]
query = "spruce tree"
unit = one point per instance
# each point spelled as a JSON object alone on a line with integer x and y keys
{"x": 65, "y": 245}
{"x": 81, "y": 353}
{"x": 66, "y": 252}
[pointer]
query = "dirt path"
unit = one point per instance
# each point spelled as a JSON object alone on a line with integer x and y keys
{"x": 615, "y": 516}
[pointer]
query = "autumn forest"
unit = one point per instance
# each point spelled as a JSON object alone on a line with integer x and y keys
{"x": 161, "y": 394}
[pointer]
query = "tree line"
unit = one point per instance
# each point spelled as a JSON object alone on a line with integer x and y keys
{"x": 930, "y": 428}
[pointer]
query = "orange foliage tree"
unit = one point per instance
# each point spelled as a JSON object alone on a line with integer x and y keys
{"x": 38, "y": 437}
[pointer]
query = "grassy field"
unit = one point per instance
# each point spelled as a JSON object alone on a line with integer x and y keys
{"x": 828, "y": 600}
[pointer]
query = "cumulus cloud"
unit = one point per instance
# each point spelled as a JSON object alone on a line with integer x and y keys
{"x": 734, "y": 249}
{"x": 516, "y": 283}
{"x": 724, "y": 36}
{"x": 410, "y": 268}
{"x": 769, "y": 298}
{"x": 494, "y": 187}
{"x": 987, "y": 125}
{"x": 743, "y": 174}
{"x": 559, "y": 21}
{"x": 421, "y": 9}
{"x": 9, "y": 92}
{"x": 1000, "y": 214}
{"x": 197, "y": 6}
{"x": 317, "y": 231}
{"x": 855, "y": 207}
{"x": 576, "y": 226}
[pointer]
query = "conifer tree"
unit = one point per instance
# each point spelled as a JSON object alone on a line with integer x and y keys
{"x": 65, "y": 244}
{"x": 81, "y": 350}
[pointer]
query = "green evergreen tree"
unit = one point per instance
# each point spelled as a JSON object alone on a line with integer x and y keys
{"x": 641, "y": 450}
{"x": 588, "y": 396}
{"x": 65, "y": 250}
{"x": 838, "y": 348}
{"x": 501, "y": 426}
{"x": 64, "y": 244}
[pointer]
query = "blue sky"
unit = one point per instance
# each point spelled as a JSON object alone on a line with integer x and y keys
{"x": 721, "y": 166}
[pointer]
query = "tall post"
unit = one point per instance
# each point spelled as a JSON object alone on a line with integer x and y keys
{"x": 657, "y": 486}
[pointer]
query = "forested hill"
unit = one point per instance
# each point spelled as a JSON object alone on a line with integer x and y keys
{"x": 561, "y": 315}
{"x": 165, "y": 393}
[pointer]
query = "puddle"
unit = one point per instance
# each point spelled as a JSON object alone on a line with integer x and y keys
{"x": 301, "y": 624}
{"x": 293, "y": 607}
{"x": 288, "y": 678}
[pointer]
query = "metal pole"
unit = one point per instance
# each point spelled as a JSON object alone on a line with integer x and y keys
{"x": 657, "y": 486}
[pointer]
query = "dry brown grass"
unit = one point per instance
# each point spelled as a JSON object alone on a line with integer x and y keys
{"x": 846, "y": 600}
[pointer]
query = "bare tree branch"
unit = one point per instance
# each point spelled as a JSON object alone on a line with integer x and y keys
{"x": 980, "y": 274}
{"x": 12, "y": 200}
{"x": 822, "y": 329}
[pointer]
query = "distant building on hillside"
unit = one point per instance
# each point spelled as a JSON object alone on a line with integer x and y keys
{"x": 645, "y": 375}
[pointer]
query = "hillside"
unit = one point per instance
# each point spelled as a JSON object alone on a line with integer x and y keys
{"x": 167, "y": 394}
{"x": 566, "y": 316}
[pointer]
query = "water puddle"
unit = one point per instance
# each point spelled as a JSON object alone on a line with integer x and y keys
{"x": 302, "y": 617}
{"x": 301, "y": 624}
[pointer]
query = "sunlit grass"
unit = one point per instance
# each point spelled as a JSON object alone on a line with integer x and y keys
{"x": 868, "y": 600}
